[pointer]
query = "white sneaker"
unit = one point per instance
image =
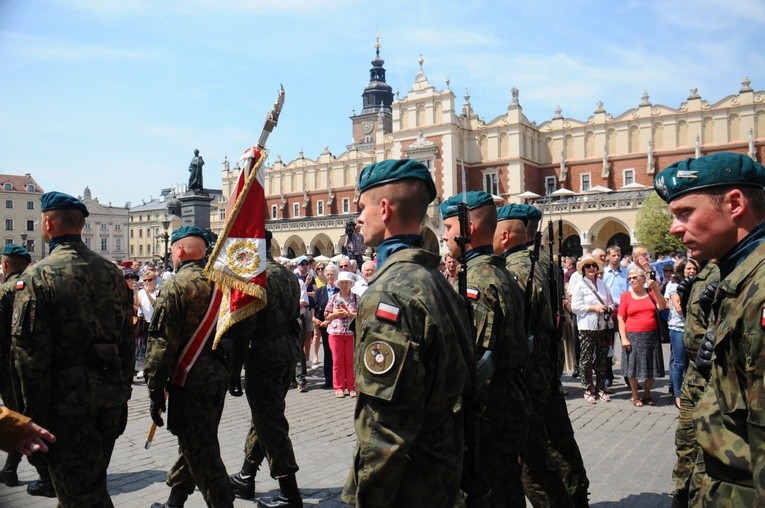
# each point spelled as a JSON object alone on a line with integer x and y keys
{"x": 139, "y": 375}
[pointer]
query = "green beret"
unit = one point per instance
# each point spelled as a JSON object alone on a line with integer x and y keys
{"x": 185, "y": 231}
{"x": 16, "y": 250}
{"x": 715, "y": 170}
{"x": 475, "y": 199}
{"x": 395, "y": 170}
{"x": 59, "y": 201}
{"x": 532, "y": 212}
{"x": 512, "y": 212}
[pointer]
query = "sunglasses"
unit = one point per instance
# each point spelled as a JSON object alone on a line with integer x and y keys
{"x": 634, "y": 277}
{"x": 319, "y": 269}
{"x": 591, "y": 265}
{"x": 344, "y": 266}
{"x": 148, "y": 280}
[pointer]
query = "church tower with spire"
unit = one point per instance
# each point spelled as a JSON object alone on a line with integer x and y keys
{"x": 377, "y": 100}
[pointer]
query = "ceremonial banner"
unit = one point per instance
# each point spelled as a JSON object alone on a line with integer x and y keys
{"x": 238, "y": 261}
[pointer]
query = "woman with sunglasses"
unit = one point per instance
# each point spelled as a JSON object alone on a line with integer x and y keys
{"x": 592, "y": 303}
{"x": 146, "y": 297}
{"x": 639, "y": 330}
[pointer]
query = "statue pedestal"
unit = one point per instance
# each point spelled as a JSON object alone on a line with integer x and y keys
{"x": 195, "y": 210}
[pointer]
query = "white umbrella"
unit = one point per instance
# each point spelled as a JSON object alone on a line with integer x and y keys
{"x": 563, "y": 192}
{"x": 321, "y": 258}
{"x": 336, "y": 258}
{"x": 633, "y": 186}
{"x": 599, "y": 188}
{"x": 528, "y": 195}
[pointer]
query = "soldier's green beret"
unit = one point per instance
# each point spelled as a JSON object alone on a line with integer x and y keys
{"x": 59, "y": 201}
{"x": 715, "y": 170}
{"x": 532, "y": 212}
{"x": 395, "y": 170}
{"x": 474, "y": 199}
{"x": 512, "y": 212}
{"x": 185, "y": 231}
{"x": 17, "y": 250}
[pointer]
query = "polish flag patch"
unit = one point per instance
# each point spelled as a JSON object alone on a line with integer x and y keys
{"x": 762, "y": 319}
{"x": 387, "y": 312}
{"x": 472, "y": 294}
{"x": 20, "y": 285}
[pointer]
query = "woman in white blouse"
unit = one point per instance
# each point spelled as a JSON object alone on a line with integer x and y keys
{"x": 591, "y": 302}
{"x": 146, "y": 297}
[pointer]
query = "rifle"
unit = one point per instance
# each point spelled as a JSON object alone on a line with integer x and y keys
{"x": 529, "y": 291}
{"x": 477, "y": 492}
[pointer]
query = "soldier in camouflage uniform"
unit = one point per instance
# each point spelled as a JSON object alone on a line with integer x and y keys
{"x": 564, "y": 449}
{"x": 718, "y": 204}
{"x": 269, "y": 370}
{"x": 542, "y": 481}
{"x": 196, "y": 406}
{"x": 73, "y": 348}
{"x": 412, "y": 338}
{"x": 696, "y": 322}
{"x": 497, "y": 303}
{"x": 15, "y": 259}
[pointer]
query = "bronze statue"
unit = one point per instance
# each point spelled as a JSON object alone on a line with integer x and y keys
{"x": 195, "y": 168}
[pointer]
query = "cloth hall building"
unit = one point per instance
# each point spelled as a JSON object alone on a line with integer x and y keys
{"x": 595, "y": 172}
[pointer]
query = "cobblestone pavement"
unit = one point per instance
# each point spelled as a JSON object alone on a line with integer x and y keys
{"x": 628, "y": 451}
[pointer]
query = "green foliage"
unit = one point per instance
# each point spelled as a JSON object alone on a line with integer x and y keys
{"x": 652, "y": 228}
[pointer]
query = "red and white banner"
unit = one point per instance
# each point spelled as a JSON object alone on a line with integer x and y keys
{"x": 238, "y": 262}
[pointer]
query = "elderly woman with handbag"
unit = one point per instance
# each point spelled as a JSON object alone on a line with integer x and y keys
{"x": 639, "y": 330}
{"x": 592, "y": 303}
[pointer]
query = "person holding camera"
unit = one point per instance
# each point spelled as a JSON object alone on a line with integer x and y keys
{"x": 354, "y": 243}
{"x": 592, "y": 303}
{"x": 642, "y": 355}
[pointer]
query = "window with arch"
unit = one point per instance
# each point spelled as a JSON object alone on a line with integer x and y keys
{"x": 7, "y": 186}
{"x": 30, "y": 187}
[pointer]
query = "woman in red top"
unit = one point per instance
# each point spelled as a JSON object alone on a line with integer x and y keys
{"x": 639, "y": 331}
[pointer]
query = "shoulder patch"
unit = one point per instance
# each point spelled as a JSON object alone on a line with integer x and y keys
{"x": 19, "y": 285}
{"x": 387, "y": 312}
{"x": 762, "y": 319}
{"x": 379, "y": 357}
{"x": 472, "y": 293}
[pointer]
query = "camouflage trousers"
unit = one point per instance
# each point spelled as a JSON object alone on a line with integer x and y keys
{"x": 542, "y": 481}
{"x": 78, "y": 460}
{"x": 685, "y": 435}
{"x": 708, "y": 491}
{"x": 504, "y": 430}
{"x": 268, "y": 374}
{"x": 199, "y": 463}
{"x": 564, "y": 449}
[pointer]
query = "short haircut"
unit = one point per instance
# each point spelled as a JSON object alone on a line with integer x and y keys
{"x": 613, "y": 248}
{"x": 484, "y": 218}
{"x": 754, "y": 195}
{"x": 636, "y": 270}
{"x": 16, "y": 263}
{"x": 410, "y": 198}
{"x": 67, "y": 219}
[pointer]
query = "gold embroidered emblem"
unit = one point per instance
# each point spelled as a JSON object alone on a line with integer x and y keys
{"x": 379, "y": 357}
{"x": 242, "y": 256}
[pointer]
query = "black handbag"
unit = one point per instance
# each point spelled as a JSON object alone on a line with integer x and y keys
{"x": 661, "y": 320}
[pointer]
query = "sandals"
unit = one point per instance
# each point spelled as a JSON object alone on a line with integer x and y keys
{"x": 589, "y": 397}
{"x": 637, "y": 402}
{"x": 339, "y": 394}
{"x": 649, "y": 401}
{"x": 603, "y": 396}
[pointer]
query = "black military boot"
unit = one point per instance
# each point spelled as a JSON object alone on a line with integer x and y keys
{"x": 289, "y": 495}
{"x": 8, "y": 475}
{"x": 243, "y": 484}
{"x": 42, "y": 487}
{"x": 680, "y": 500}
{"x": 176, "y": 499}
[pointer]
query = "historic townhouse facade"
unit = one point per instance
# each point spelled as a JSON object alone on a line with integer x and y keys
{"x": 106, "y": 228}
{"x": 593, "y": 174}
{"x": 20, "y": 195}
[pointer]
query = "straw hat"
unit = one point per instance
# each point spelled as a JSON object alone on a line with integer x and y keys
{"x": 586, "y": 261}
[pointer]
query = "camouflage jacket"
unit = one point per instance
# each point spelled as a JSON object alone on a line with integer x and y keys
{"x": 178, "y": 310}
{"x": 696, "y": 322}
{"x": 7, "y": 294}
{"x": 729, "y": 420}
{"x": 64, "y": 305}
{"x": 282, "y": 311}
{"x": 540, "y": 371}
{"x": 411, "y": 336}
{"x": 497, "y": 302}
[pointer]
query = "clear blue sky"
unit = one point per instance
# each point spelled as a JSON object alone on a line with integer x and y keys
{"x": 115, "y": 95}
